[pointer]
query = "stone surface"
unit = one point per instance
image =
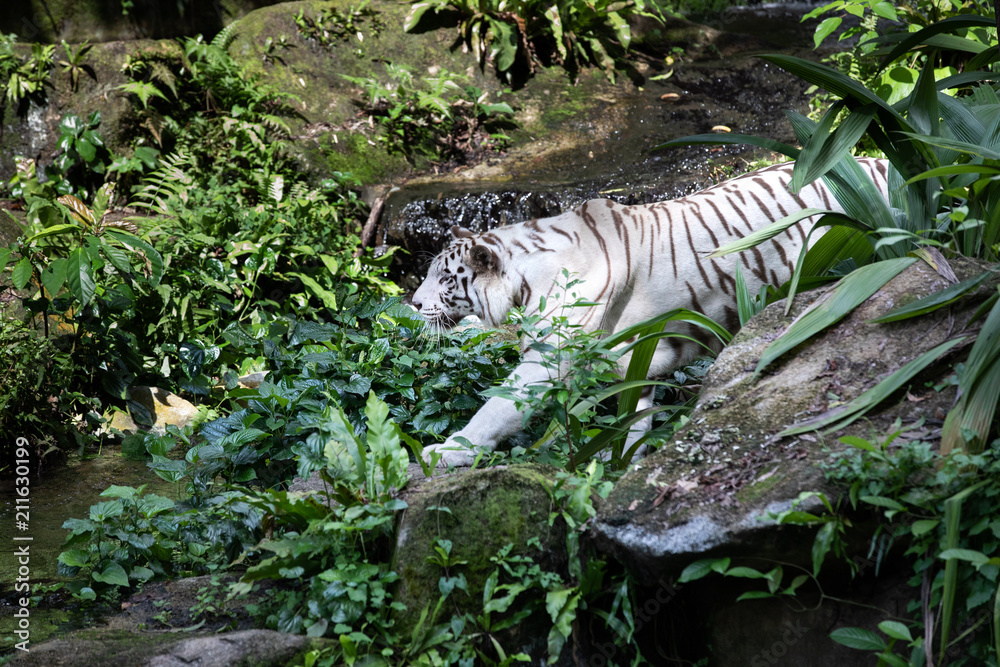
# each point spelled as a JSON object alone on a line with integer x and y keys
{"x": 244, "y": 648}
{"x": 153, "y": 409}
{"x": 487, "y": 510}
{"x": 710, "y": 490}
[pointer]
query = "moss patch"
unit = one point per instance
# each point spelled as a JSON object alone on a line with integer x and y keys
{"x": 487, "y": 510}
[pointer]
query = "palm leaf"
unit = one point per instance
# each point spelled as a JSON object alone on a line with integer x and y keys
{"x": 934, "y": 301}
{"x": 825, "y": 149}
{"x": 949, "y": 24}
{"x": 978, "y": 387}
{"x": 853, "y": 290}
{"x": 847, "y": 413}
{"x": 771, "y": 230}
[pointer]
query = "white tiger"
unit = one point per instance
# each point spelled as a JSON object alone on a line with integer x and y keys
{"x": 635, "y": 262}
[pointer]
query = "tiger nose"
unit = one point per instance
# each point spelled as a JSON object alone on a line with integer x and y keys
{"x": 417, "y": 304}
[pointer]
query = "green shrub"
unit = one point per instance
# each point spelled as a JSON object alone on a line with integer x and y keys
{"x": 513, "y": 35}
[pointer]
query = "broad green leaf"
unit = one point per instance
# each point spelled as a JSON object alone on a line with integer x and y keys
{"x": 503, "y": 48}
{"x": 825, "y": 28}
{"x": 118, "y": 258}
{"x": 858, "y": 638}
{"x": 117, "y": 491}
{"x": 75, "y": 558}
{"x": 54, "y": 230}
{"x": 885, "y": 10}
{"x": 745, "y": 572}
{"x": 112, "y": 574}
{"x": 417, "y": 10}
{"x": 136, "y": 244}
{"x": 857, "y": 443}
{"x": 822, "y": 545}
{"x": 86, "y": 149}
{"x": 896, "y": 630}
{"x": 977, "y": 558}
{"x": 924, "y": 526}
{"x": 882, "y": 501}
{"x": 555, "y": 23}
{"x": 21, "y": 274}
{"x": 853, "y": 290}
{"x": 80, "y": 276}
{"x": 755, "y": 595}
{"x": 328, "y": 298}
{"x": 699, "y": 569}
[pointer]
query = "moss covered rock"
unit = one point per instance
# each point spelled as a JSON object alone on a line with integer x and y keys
{"x": 479, "y": 512}
{"x": 711, "y": 489}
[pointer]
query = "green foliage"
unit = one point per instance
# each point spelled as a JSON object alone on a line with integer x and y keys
{"x": 585, "y": 370}
{"x": 881, "y": 23}
{"x": 23, "y": 79}
{"x": 73, "y": 64}
{"x": 324, "y": 372}
{"x": 942, "y": 510}
{"x": 334, "y": 26}
{"x": 513, "y": 35}
{"x": 81, "y": 265}
{"x": 943, "y": 192}
{"x": 136, "y": 536}
{"x": 38, "y": 400}
{"x": 435, "y": 117}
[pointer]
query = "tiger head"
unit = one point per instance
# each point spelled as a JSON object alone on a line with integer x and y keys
{"x": 464, "y": 279}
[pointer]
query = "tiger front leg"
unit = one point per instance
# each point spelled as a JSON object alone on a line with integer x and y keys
{"x": 497, "y": 420}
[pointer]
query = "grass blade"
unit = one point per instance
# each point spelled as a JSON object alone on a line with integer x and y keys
{"x": 952, "y": 520}
{"x": 770, "y": 231}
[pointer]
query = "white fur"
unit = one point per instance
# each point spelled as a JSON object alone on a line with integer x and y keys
{"x": 635, "y": 261}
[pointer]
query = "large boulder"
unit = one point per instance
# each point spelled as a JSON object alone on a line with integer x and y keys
{"x": 713, "y": 489}
{"x": 479, "y": 513}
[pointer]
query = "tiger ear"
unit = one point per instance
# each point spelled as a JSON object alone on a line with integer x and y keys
{"x": 461, "y": 232}
{"x": 483, "y": 260}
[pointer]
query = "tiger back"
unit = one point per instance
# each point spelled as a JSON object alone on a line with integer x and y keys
{"x": 633, "y": 263}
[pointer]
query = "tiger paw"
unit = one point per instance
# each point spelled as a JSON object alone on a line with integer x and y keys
{"x": 453, "y": 455}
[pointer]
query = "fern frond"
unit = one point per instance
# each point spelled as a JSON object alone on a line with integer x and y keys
{"x": 225, "y": 37}
{"x": 171, "y": 181}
